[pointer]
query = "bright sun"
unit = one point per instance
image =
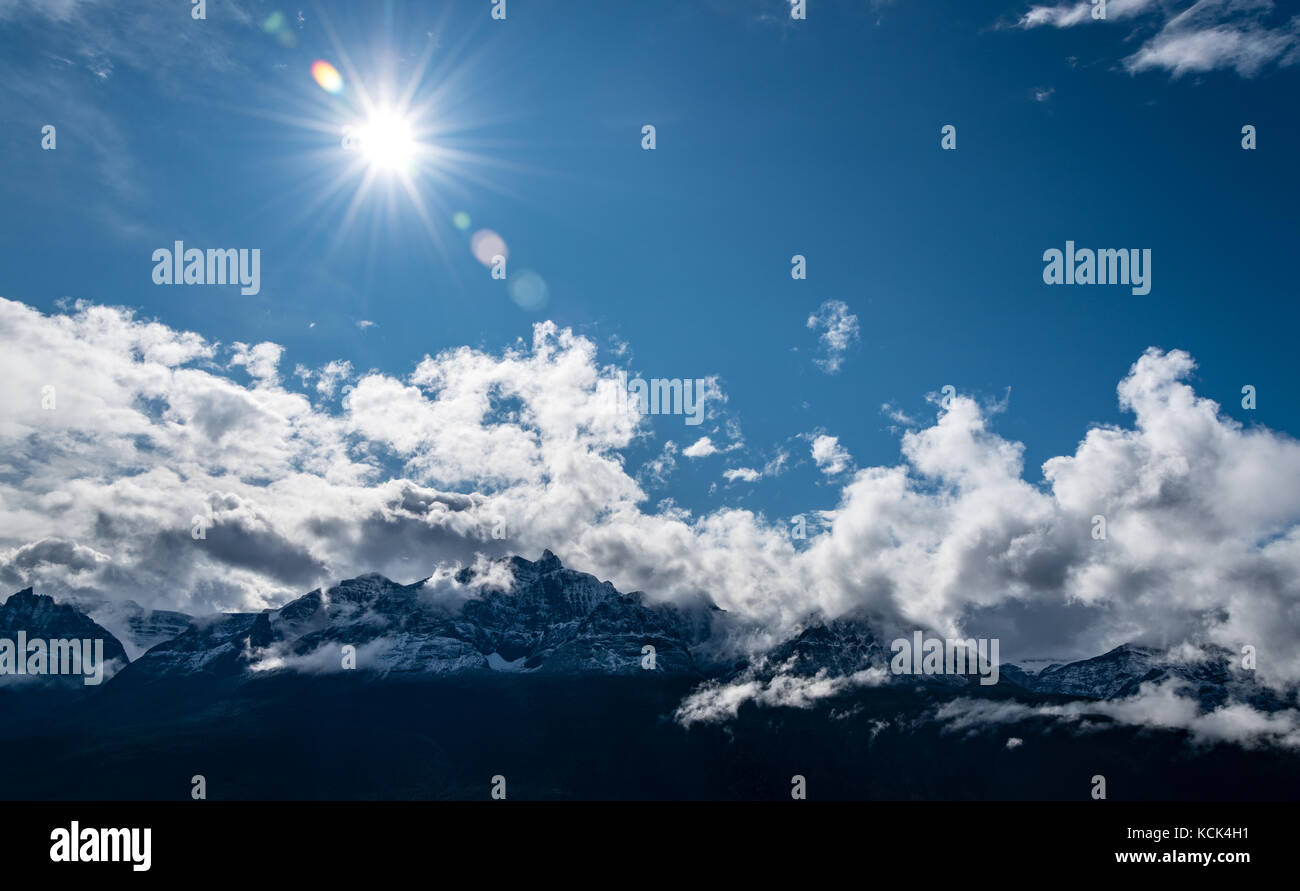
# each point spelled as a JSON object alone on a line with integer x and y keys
{"x": 386, "y": 141}
{"x": 396, "y": 138}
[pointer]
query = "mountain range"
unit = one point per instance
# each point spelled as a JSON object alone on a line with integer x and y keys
{"x": 546, "y": 619}
{"x": 534, "y": 671}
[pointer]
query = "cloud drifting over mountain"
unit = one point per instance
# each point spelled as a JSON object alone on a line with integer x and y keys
{"x": 1158, "y": 706}
{"x": 474, "y": 453}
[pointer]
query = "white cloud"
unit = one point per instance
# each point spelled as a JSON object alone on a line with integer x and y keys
{"x": 839, "y": 329}
{"x": 831, "y": 457}
{"x": 1067, "y": 15}
{"x": 701, "y": 448}
{"x": 261, "y": 361}
{"x": 1244, "y": 49}
{"x": 410, "y": 471}
{"x": 331, "y": 374}
{"x": 1241, "y": 35}
{"x": 1165, "y": 706}
{"x": 658, "y": 469}
{"x": 775, "y": 466}
{"x": 717, "y": 701}
{"x": 705, "y": 446}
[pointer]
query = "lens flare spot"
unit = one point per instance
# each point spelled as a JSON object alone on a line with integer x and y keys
{"x": 278, "y": 27}
{"x": 327, "y": 76}
{"x": 528, "y": 289}
{"x": 461, "y": 219}
{"x": 486, "y": 245}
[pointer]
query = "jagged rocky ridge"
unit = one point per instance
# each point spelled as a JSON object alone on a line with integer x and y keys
{"x": 552, "y": 620}
{"x": 844, "y": 647}
{"x": 1211, "y": 676}
{"x": 42, "y": 618}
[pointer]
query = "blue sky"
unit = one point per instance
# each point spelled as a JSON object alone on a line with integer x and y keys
{"x": 774, "y": 137}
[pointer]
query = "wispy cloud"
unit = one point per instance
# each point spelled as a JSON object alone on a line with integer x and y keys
{"x": 84, "y": 45}
{"x": 1165, "y": 706}
{"x": 56, "y": 10}
{"x": 1067, "y": 15}
{"x": 1244, "y": 36}
{"x": 718, "y": 701}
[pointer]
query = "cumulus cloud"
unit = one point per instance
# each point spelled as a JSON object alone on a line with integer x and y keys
{"x": 327, "y": 380}
{"x": 1244, "y": 36}
{"x": 148, "y": 433}
{"x": 67, "y": 557}
{"x": 831, "y": 457}
{"x": 406, "y": 472}
{"x": 701, "y": 448}
{"x": 839, "y": 331}
{"x": 261, "y": 361}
